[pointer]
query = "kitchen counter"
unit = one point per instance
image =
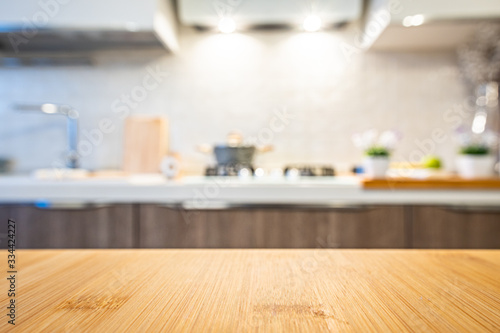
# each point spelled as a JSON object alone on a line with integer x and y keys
{"x": 202, "y": 192}
{"x": 256, "y": 290}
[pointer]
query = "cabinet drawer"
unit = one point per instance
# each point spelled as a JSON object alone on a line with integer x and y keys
{"x": 374, "y": 227}
{"x": 456, "y": 227}
{"x": 108, "y": 226}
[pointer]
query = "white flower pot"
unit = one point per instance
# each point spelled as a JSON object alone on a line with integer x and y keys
{"x": 475, "y": 166}
{"x": 376, "y": 167}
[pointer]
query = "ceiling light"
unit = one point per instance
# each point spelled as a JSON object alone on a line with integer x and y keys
{"x": 408, "y": 21}
{"x": 227, "y": 25}
{"x": 417, "y": 20}
{"x": 312, "y": 23}
{"x": 413, "y": 21}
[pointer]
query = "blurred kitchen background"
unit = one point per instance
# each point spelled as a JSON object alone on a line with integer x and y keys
{"x": 250, "y": 123}
{"x": 331, "y": 83}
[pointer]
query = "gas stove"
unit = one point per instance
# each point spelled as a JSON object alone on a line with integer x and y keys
{"x": 310, "y": 170}
{"x": 289, "y": 171}
{"x": 229, "y": 170}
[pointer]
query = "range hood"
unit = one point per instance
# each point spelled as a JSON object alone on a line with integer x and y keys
{"x": 267, "y": 13}
{"x": 71, "y": 26}
{"x": 409, "y": 25}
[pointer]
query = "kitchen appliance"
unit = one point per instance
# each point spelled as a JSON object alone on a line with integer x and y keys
{"x": 265, "y": 13}
{"x": 145, "y": 144}
{"x": 290, "y": 171}
{"x": 231, "y": 170}
{"x": 33, "y": 26}
{"x": 310, "y": 170}
{"x": 234, "y": 152}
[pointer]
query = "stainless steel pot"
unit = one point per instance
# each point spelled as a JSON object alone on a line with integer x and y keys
{"x": 234, "y": 152}
{"x": 234, "y": 155}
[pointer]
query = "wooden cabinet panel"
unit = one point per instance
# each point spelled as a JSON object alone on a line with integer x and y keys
{"x": 154, "y": 226}
{"x": 376, "y": 227}
{"x": 162, "y": 227}
{"x": 441, "y": 227}
{"x": 4, "y": 218}
{"x": 4, "y": 215}
{"x": 93, "y": 227}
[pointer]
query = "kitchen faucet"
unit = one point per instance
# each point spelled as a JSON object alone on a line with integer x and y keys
{"x": 72, "y": 126}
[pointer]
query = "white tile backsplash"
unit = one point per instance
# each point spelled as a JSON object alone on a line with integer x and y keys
{"x": 222, "y": 82}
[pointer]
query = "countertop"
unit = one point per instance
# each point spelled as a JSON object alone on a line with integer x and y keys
{"x": 255, "y": 290}
{"x": 202, "y": 192}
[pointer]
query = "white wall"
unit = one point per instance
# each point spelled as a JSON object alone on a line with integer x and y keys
{"x": 223, "y": 82}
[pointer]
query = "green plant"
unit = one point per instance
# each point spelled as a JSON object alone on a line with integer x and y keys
{"x": 377, "y": 151}
{"x": 475, "y": 150}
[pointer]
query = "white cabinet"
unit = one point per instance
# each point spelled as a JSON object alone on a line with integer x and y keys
{"x": 411, "y": 25}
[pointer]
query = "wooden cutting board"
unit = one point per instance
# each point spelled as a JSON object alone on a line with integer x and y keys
{"x": 449, "y": 183}
{"x": 255, "y": 290}
{"x": 145, "y": 144}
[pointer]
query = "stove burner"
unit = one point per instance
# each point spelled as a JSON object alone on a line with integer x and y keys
{"x": 310, "y": 170}
{"x": 248, "y": 170}
{"x": 229, "y": 170}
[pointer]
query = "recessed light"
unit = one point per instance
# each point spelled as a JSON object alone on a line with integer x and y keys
{"x": 413, "y": 21}
{"x": 408, "y": 21}
{"x": 417, "y": 20}
{"x": 312, "y": 23}
{"x": 227, "y": 25}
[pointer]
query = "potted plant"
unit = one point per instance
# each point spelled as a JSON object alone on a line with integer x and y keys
{"x": 377, "y": 150}
{"x": 476, "y": 159}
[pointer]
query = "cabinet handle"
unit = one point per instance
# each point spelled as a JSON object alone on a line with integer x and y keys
{"x": 45, "y": 205}
{"x": 228, "y": 206}
{"x": 472, "y": 209}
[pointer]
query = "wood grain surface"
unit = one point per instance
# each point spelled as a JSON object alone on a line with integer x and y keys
{"x": 106, "y": 226}
{"x": 453, "y": 183}
{"x": 455, "y": 227}
{"x": 371, "y": 227}
{"x": 145, "y": 143}
{"x": 256, "y": 291}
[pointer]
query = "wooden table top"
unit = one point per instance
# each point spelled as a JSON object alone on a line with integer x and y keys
{"x": 255, "y": 290}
